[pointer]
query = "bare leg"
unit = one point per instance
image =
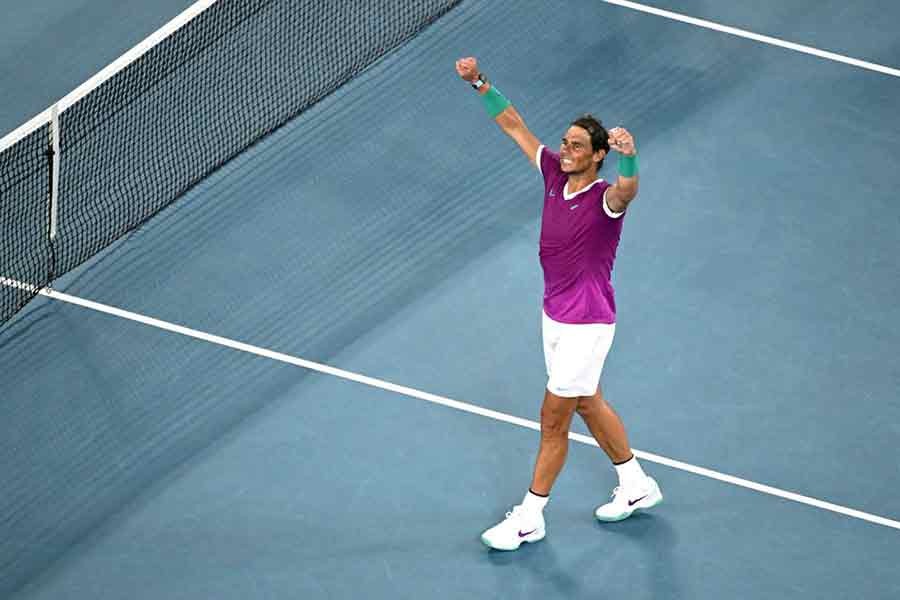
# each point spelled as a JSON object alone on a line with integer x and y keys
{"x": 556, "y": 416}
{"x": 606, "y": 426}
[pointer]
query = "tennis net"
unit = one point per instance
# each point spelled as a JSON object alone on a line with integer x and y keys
{"x": 145, "y": 130}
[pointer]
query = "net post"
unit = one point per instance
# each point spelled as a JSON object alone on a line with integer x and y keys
{"x": 53, "y": 156}
{"x": 54, "y": 169}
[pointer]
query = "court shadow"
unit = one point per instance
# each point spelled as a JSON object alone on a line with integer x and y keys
{"x": 657, "y": 541}
{"x": 538, "y": 565}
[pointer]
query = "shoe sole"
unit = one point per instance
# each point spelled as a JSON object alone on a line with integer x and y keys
{"x": 523, "y": 540}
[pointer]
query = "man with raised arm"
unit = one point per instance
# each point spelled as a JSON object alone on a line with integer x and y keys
{"x": 580, "y": 229}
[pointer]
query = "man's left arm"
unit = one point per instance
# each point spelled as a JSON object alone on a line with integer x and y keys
{"x": 620, "y": 194}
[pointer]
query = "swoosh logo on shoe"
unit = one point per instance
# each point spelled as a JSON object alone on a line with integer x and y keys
{"x": 633, "y": 502}
{"x": 521, "y": 535}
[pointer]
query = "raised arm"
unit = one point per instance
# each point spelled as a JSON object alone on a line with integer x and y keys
{"x": 504, "y": 113}
{"x": 623, "y": 191}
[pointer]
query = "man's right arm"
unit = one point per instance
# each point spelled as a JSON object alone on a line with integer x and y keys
{"x": 507, "y": 118}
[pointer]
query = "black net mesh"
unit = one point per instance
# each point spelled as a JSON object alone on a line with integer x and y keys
{"x": 24, "y": 221}
{"x": 136, "y": 143}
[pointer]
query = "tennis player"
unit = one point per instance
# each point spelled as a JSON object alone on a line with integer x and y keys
{"x": 580, "y": 229}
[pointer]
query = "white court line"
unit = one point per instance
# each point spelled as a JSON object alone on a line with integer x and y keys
{"x": 756, "y": 37}
{"x": 434, "y": 398}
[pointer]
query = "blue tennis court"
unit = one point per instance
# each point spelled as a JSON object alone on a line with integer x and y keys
{"x": 184, "y": 448}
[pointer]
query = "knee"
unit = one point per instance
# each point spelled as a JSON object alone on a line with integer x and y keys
{"x": 554, "y": 423}
{"x": 586, "y": 407}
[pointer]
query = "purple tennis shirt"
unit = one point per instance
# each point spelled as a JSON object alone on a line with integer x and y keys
{"x": 579, "y": 237}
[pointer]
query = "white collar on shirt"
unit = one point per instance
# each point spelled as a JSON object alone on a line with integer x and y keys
{"x": 566, "y": 194}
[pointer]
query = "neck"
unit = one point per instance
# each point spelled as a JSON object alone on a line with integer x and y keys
{"x": 579, "y": 181}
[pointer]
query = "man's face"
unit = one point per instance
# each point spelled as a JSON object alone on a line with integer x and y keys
{"x": 575, "y": 155}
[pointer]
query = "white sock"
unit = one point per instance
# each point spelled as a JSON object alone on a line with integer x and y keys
{"x": 631, "y": 474}
{"x": 533, "y": 503}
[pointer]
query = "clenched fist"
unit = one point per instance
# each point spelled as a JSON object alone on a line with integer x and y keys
{"x": 621, "y": 141}
{"x": 467, "y": 68}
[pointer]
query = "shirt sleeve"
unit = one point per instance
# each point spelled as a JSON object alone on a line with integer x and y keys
{"x": 609, "y": 212}
{"x": 547, "y": 163}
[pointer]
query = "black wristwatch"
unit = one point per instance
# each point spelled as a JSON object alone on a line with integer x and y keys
{"x": 480, "y": 81}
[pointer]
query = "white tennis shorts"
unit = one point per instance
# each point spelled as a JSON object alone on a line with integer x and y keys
{"x": 575, "y": 355}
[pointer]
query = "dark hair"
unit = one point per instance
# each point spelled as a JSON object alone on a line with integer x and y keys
{"x": 595, "y": 129}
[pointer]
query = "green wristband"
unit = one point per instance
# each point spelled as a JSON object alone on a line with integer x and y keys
{"x": 494, "y": 102}
{"x": 628, "y": 165}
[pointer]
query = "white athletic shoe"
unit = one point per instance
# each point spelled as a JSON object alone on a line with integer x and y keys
{"x": 627, "y": 500}
{"x": 518, "y": 526}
